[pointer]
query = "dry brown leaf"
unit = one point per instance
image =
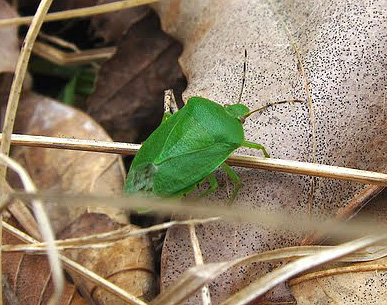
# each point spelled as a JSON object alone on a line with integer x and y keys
{"x": 110, "y": 28}
{"x": 329, "y": 54}
{"x": 72, "y": 4}
{"x": 66, "y": 170}
{"x": 29, "y": 278}
{"x": 128, "y": 100}
{"x": 9, "y": 49}
{"x": 127, "y": 263}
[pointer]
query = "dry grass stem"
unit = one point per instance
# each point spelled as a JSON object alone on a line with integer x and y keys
{"x": 340, "y": 270}
{"x": 283, "y": 254}
{"x": 22, "y": 214}
{"x": 310, "y": 169}
{"x": 261, "y": 217}
{"x": 205, "y": 291}
{"x": 286, "y": 166}
{"x": 75, "y": 144}
{"x": 190, "y": 282}
{"x": 282, "y": 274}
{"x": 65, "y": 58}
{"x": 107, "y": 237}
{"x": 59, "y": 42}
{"x": 197, "y": 276}
{"x": 81, "y": 12}
{"x": 200, "y": 275}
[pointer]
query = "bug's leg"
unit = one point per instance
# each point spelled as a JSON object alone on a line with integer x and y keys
{"x": 213, "y": 185}
{"x": 255, "y": 146}
{"x": 186, "y": 191}
{"x": 235, "y": 178}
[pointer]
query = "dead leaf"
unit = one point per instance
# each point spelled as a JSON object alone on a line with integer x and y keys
{"x": 65, "y": 170}
{"x": 329, "y": 54}
{"x": 127, "y": 263}
{"x": 9, "y": 49}
{"x": 29, "y": 278}
{"x": 128, "y": 100}
{"x": 9, "y": 52}
{"x": 347, "y": 283}
{"x": 110, "y": 28}
{"x": 72, "y": 4}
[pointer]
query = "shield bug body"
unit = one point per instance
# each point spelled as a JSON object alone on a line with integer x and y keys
{"x": 188, "y": 147}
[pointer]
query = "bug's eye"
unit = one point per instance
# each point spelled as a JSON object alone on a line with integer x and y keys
{"x": 243, "y": 119}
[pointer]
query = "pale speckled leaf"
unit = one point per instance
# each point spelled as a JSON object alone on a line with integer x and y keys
{"x": 339, "y": 67}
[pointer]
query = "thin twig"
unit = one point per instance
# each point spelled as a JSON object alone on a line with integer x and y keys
{"x": 22, "y": 214}
{"x": 376, "y": 268}
{"x": 286, "y": 166}
{"x": 310, "y": 169}
{"x": 60, "y": 42}
{"x": 80, "y": 12}
{"x": 109, "y": 237}
{"x": 74, "y": 144}
{"x": 205, "y": 291}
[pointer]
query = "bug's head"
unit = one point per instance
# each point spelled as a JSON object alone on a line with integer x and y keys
{"x": 238, "y": 111}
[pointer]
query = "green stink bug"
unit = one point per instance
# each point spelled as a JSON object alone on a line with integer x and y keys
{"x": 188, "y": 147}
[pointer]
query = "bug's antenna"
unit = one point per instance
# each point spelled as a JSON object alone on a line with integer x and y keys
{"x": 244, "y": 78}
{"x": 272, "y": 104}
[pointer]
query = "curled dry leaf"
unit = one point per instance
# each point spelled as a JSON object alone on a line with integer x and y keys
{"x": 127, "y": 263}
{"x": 29, "y": 278}
{"x": 65, "y": 170}
{"x": 329, "y": 54}
{"x": 347, "y": 283}
{"x": 128, "y": 100}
